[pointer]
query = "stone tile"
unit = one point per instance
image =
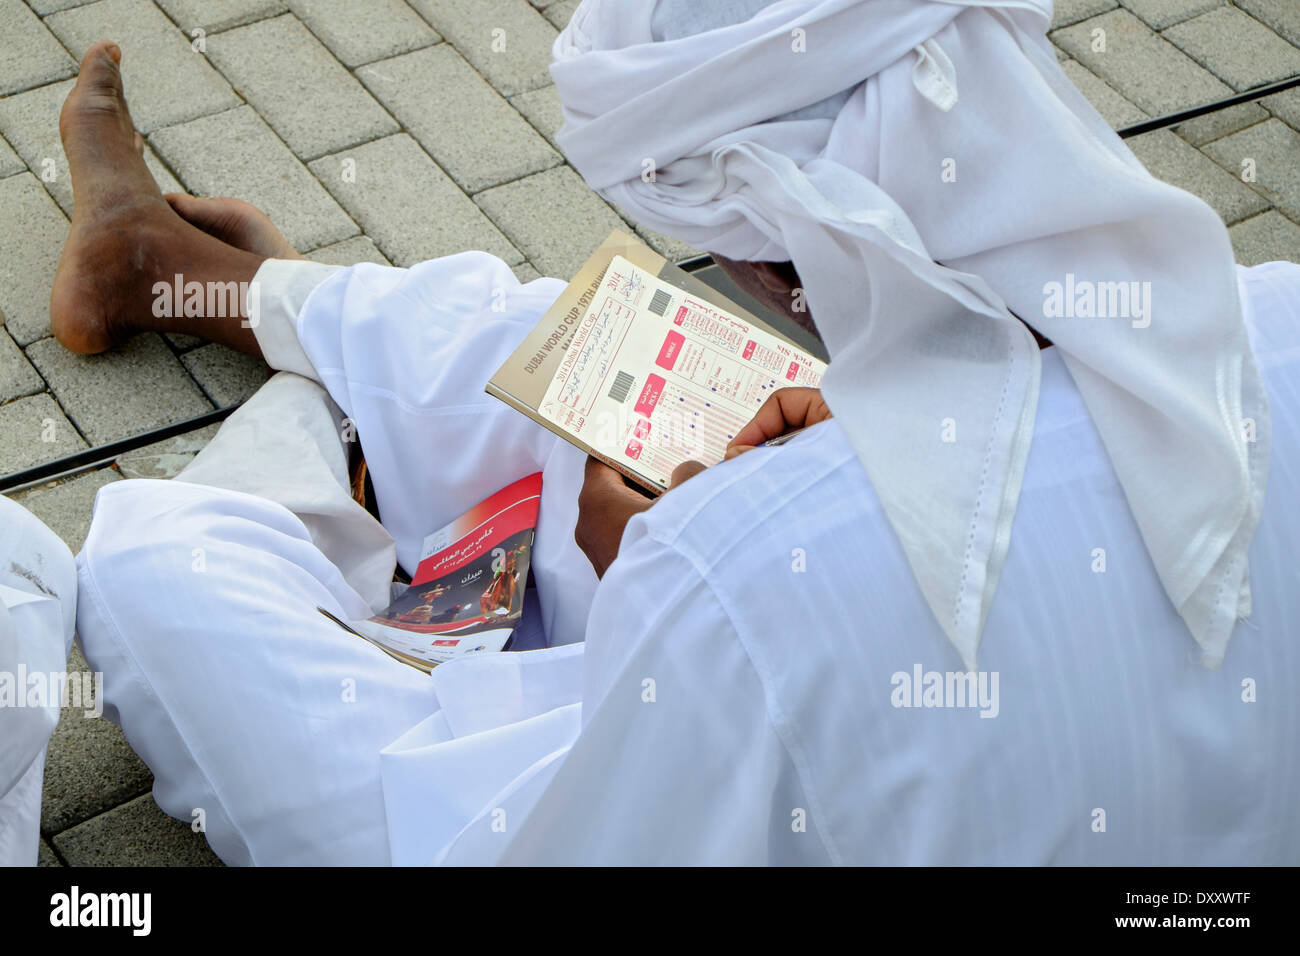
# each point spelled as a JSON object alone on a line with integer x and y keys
{"x": 31, "y": 122}
{"x": 1267, "y": 237}
{"x": 426, "y": 217}
{"x": 35, "y": 431}
{"x": 29, "y": 54}
{"x": 10, "y": 163}
{"x": 556, "y": 244}
{"x": 166, "y": 458}
{"x": 1237, "y": 48}
{"x": 166, "y": 81}
{"x": 1072, "y": 11}
{"x": 17, "y": 377}
{"x": 297, "y": 86}
{"x": 254, "y": 165}
{"x": 28, "y": 256}
{"x": 1114, "y": 109}
{"x": 119, "y": 393}
{"x": 1158, "y": 14}
{"x": 464, "y": 124}
{"x": 349, "y": 252}
{"x": 1145, "y": 69}
{"x": 1274, "y": 147}
{"x": 182, "y": 342}
{"x": 227, "y": 377}
{"x": 90, "y": 768}
{"x": 1285, "y": 106}
{"x": 507, "y": 40}
{"x": 1169, "y": 158}
{"x": 1212, "y": 126}
{"x": 561, "y": 13}
{"x": 525, "y": 272}
{"x": 44, "y": 7}
{"x": 210, "y": 17}
{"x": 542, "y": 109}
{"x": 359, "y": 33}
{"x": 135, "y": 834}
{"x": 1282, "y": 15}
{"x": 674, "y": 250}
{"x": 45, "y": 855}
{"x": 65, "y": 506}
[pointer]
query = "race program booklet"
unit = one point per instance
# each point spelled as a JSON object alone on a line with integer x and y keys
{"x": 643, "y": 366}
{"x": 467, "y": 593}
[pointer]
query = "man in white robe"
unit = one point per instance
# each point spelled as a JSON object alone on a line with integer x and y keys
{"x": 756, "y": 678}
{"x": 38, "y": 605}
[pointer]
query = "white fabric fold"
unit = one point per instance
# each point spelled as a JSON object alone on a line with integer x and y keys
{"x": 963, "y": 180}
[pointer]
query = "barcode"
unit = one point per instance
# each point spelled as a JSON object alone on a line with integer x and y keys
{"x": 622, "y": 385}
{"x": 659, "y": 304}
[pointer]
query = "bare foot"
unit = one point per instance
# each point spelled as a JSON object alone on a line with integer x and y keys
{"x": 118, "y": 210}
{"x": 236, "y": 222}
{"x": 125, "y": 237}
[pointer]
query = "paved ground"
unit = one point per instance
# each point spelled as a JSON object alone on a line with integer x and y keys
{"x": 453, "y": 146}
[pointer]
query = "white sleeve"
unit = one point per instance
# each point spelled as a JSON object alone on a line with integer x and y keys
{"x": 678, "y": 761}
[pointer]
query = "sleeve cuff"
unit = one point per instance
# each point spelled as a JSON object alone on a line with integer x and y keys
{"x": 275, "y": 297}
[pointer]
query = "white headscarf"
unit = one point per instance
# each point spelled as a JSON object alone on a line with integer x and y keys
{"x": 961, "y": 143}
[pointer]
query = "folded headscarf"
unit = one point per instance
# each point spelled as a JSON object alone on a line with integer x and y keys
{"x": 930, "y": 170}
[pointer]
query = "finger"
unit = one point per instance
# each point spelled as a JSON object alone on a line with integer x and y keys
{"x": 734, "y": 450}
{"x": 785, "y": 409}
{"x": 684, "y": 472}
{"x": 597, "y": 472}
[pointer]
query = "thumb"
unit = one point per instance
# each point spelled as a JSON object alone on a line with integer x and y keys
{"x": 685, "y": 471}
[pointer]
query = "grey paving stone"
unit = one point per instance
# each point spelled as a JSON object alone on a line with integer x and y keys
{"x": 254, "y": 165}
{"x": 1271, "y": 148}
{"x": 426, "y": 217}
{"x": 1212, "y": 126}
{"x": 1114, "y": 109}
{"x": 1159, "y": 14}
{"x": 465, "y": 125}
{"x": 29, "y": 54}
{"x": 526, "y": 212}
{"x": 1072, "y": 11}
{"x": 1274, "y": 147}
{"x": 1169, "y": 158}
{"x": 507, "y": 40}
{"x": 10, "y": 163}
{"x": 227, "y": 377}
{"x": 90, "y": 767}
{"x": 165, "y": 459}
{"x": 119, "y": 393}
{"x": 1145, "y": 69}
{"x": 349, "y": 252}
{"x": 525, "y": 272}
{"x": 561, "y": 12}
{"x": 45, "y": 855}
{"x": 542, "y": 4}
{"x": 44, "y": 7}
{"x": 541, "y": 107}
{"x": 31, "y": 122}
{"x": 674, "y": 250}
{"x": 1285, "y": 106}
{"x": 35, "y": 431}
{"x": 297, "y": 86}
{"x": 360, "y": 33}
{"x": 1237, "y": 48}
{"x": 210, "y": 17}
{"x": 135, "y": 834}
{"x": 28, "y": 256}
{"x": 182, "y": 342}
{"x": 1282, "y": 15}
{"x": 17, "y": 377}
{"x": 1265, "y": 238}
{"x": 166, "y": 82}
